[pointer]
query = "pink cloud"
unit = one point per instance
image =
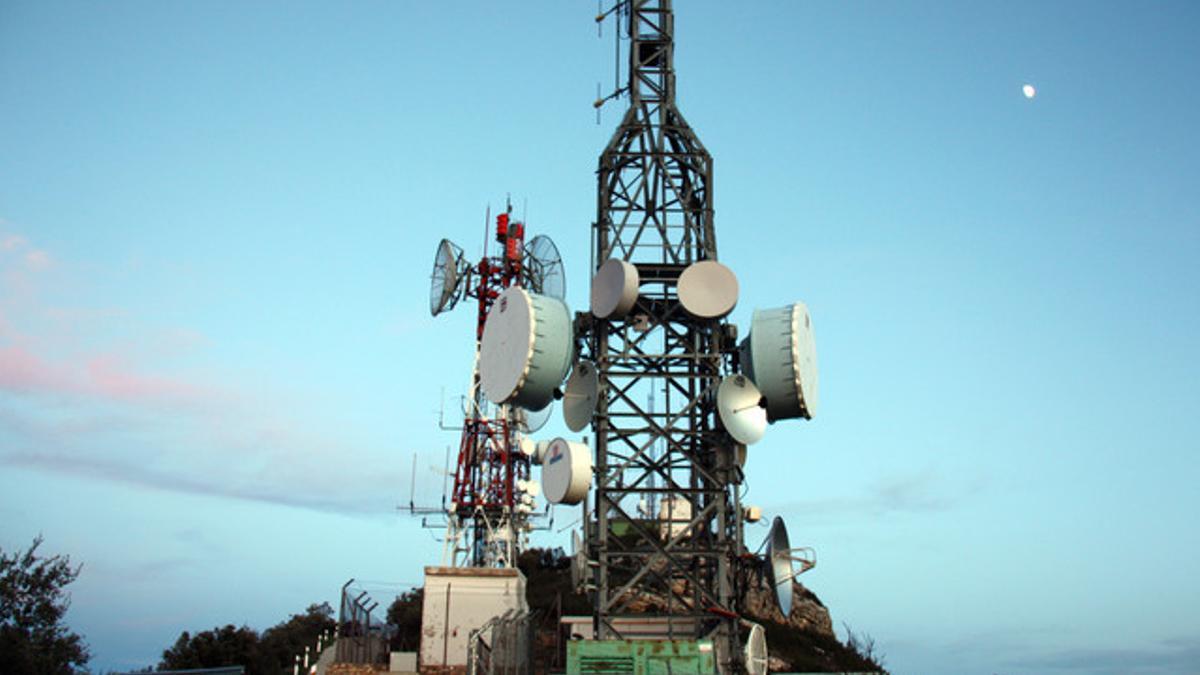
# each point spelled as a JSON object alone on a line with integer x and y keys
{"x": 37, "y": 259}
{"x": 11, "y": 242}
{"x": 22, "y": 371}
{"x": 103, "y": 377}
{"x": 109, "y": 377}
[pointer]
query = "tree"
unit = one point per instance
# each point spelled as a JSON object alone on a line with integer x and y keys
{"x": 283, "y": 641}
{"x": 270, "y": 654}
{"x": 405, "y": 615}
{"x": 33, "y": 638}
{"x": 223, "y": 646}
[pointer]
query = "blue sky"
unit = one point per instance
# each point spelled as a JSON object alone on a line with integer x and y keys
{"x": 216, "y": 359}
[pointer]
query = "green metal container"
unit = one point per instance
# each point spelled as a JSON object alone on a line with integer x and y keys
{"x": 640, "y": 657}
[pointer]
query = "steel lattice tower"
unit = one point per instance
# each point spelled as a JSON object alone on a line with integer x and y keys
{"x": 654, "y": 209}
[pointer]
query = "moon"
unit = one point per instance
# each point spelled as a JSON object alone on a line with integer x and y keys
{"x": 1029, "y": 91}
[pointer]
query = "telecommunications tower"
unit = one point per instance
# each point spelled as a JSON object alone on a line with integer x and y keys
{"x": 659, "y": 301}
{"x": 492, "y": 503}
{"x": 662, "y": 551}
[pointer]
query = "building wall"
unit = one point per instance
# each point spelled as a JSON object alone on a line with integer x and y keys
{"x": 457, "y": 601}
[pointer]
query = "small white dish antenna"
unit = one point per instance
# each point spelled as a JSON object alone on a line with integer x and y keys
{"x": 566, "y": 471}
{"x": 580, "y": 396}
{"x": 738, "y": 404}
{"x": 779, "y": 566}
{"x": 614, "y": 289}
{"x": 449, "y": 266}
{"x": 544, "y": 268}
{"x": 526, "y": 349}
{"x": 579, "y": 561}
{"x": 782, "y": 361}
{"x": 708, "y": 289}
{"x": 539, "y": 451}
{"x": 534, "y": 420}
{"x": 756, "y": 651}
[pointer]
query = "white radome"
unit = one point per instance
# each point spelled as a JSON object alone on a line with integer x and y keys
{"x": 1029, "y": 91}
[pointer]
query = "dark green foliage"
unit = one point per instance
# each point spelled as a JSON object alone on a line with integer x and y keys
{"x": 405, "y": 614}
{"x": 32, "y": 604}
{"x": 224, "y": 646}
{"x": 270, "y": 654}
{"x": 547, "y": 578}
{"x": 282, "y": 642}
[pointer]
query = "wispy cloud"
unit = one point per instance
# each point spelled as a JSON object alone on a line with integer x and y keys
{"x": 924, "y": 491}
{"x": 101, "y": 412}
{"x": 1177, "y": 655}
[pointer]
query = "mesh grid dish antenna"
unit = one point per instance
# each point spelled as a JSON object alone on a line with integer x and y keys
{"x": 544, "y": 267}
{"x": 449, "y": 269}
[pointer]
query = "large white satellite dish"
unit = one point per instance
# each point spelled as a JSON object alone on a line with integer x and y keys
{"x": 448, "y": 268}
{"x": 783, "y": 361}
{"x": 526, "y": 349}
{"x": 544, "y": 268}
{"x": 614, "y": 289}
{"x": 756, "y": 651}
{"x": 779, "y": 566}
{"x": 708, "y": 289}
{"x": 566, "y": 471}
{"x": 738, "y": 404}
{"x": 580, "y": 396}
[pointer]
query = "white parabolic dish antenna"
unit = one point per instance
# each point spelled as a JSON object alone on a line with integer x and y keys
{"x": 580, "y": 396}
{"x": 566, "y": 471}
{"x": 526, "y": 349}
{"x": 443, "y": 286}
{"x": 738, "y": 405}
{"x": 756, "y": 651}
{"x": 545, "y": 267}
{"x": 783, "y": 361}
{"x": 614, "y": 289}
{"x": 779, "y": 565}
{"x": 533, "y": 420}
{"x": 708, "y": 289}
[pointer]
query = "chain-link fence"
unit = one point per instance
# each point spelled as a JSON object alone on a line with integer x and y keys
{"x": 503, "y": 645}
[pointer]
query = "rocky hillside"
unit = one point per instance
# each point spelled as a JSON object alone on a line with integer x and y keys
{"x": 803, "y": 641}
